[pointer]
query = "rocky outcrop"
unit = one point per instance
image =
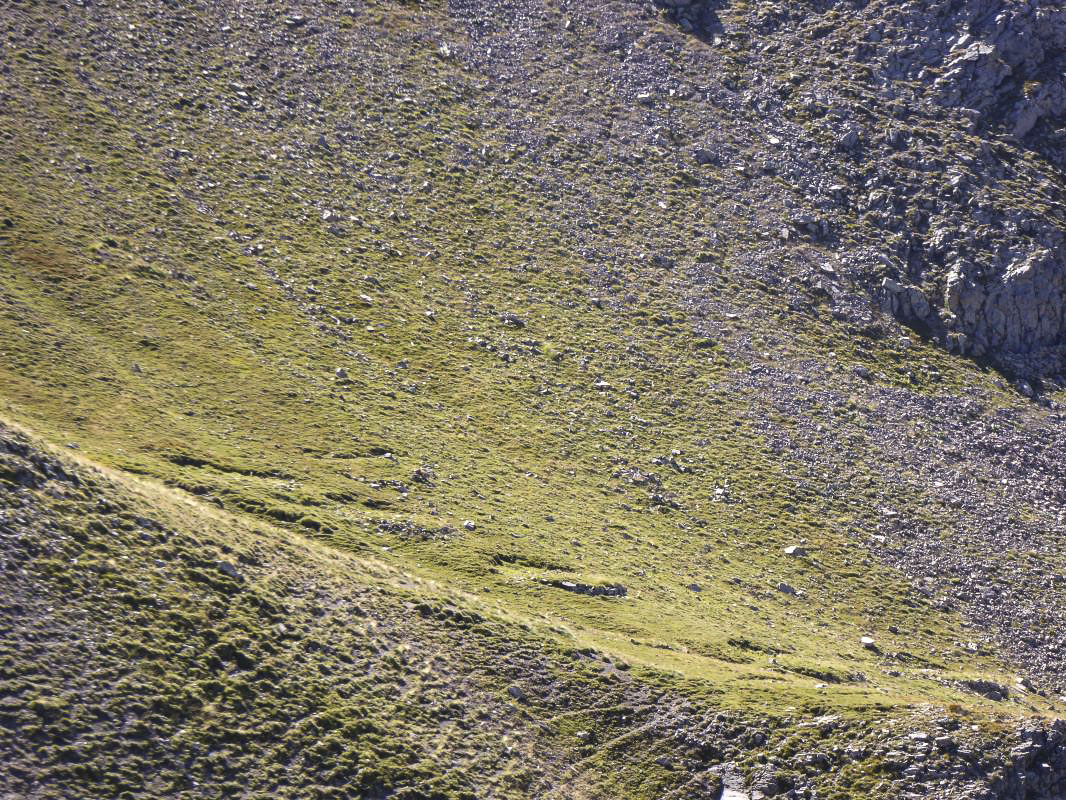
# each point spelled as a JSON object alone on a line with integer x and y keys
{"x": 694, "y": 16}
{"x": 919, "y": 123}
{"x": 1021, "y": 312}
{"x": 1004, "y": 68}
{"x": 1017, "y": 315}
{"x": 1009, "y": 67}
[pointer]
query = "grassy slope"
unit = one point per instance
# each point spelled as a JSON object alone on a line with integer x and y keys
{"x": 181, "y": 315}
{"x": 301, "y": 672}
{"x": 215, "y": 655}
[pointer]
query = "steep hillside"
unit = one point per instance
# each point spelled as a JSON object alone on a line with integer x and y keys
{"x": 157, "y": 647}
{"x": 619, "y": 400}
{"x": 186, "y": 654}
{"x": 923, "y": 140}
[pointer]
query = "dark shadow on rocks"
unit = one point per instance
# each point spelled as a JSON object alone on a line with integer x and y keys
{"x": 698, "y": 17}
{"x": 1023, "y": 381}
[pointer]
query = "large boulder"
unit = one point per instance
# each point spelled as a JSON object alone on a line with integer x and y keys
{"x": 1018, "y": 314}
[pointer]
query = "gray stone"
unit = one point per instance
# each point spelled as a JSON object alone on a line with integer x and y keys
{"x": 1017, "y": 313}
{"x": 849, "y": 139}
{"x": 707, "y": 157}
{"x": 226, "y": 568}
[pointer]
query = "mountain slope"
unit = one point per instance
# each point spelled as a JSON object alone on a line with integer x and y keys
{"x": 212, "y": 658}
{"x": 155, "y": 647}
{"x": 533, "y": 302}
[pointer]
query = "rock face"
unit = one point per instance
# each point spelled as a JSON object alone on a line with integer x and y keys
{"x": 1020, "y": 312}
{"x": 694, "y": 16}
{"x": 930, "y": 131}
{"x": 1003, "y": 293}
{"x": 1009, "y": 68}
{"x": 1002, "y": 65}
{"x": 1009, "y": 64}
{"x": 1018, "y": 316}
